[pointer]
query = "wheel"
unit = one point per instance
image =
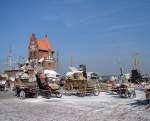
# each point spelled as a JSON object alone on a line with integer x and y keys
{"x": 67, "y": 93}
{"x": 127, "y": 93}
{"x": 48, "y": 95}
{"x": 35, "y": 95}
{"x": 82, "y": 94}
{"x": 22, "y": 94}
{"x": 59, "y": 95}
{"x": 96, "y": 92}
{"x": 121, "y": 93}
{"x": 133, "y": 94}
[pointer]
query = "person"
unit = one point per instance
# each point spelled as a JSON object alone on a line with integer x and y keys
{"x": 147, "y": 93}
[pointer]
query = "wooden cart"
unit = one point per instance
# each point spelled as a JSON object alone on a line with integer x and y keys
{"x": 78, "y": 85}
{"x": 47, "y": 87}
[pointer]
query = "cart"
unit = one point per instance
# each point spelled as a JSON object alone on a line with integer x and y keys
{"x": 125, "y": 90}
{"x": 24, "y": 88}
{"x": 77, "y": 84}
{"x": 48, "y": 87}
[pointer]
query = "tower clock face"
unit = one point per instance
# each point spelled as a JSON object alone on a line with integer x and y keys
{"x": 33, "y": 46}
{"x": 32, "y": 43}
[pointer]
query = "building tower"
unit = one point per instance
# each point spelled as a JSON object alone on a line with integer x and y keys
{"x": 40, "y": 53}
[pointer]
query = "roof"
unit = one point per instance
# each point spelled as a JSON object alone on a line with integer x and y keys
{"x": 44, "y": 44}
{"x": 73, "y": 72}
{"x": 51, "y": 73}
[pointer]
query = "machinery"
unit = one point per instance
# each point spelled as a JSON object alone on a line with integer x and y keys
{"x": 3, "y": 82}
{"x": 81, "y": 83}
{"x": 2, "y": 85}
{"x": 39, "y": 85}
{"x": 125, "y": 90}
{"x": 25, "y": 86}
{"x": 48, "y": 86}
{"x": 123, "y": 87}
{"x": 147, "y": 92}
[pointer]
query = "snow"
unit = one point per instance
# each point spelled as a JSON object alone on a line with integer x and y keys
{"x": 51, "y": 73}
{"x": 68, "y": 74}
{"x": 105, "y": 107}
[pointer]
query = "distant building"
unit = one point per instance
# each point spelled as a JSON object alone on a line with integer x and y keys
{"x": 12, "y": 73}
{"x": 41, "y": 53}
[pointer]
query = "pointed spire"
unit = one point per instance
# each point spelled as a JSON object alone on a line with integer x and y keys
{"x": 33, "y": 37}
{"x": 46, "y": 36}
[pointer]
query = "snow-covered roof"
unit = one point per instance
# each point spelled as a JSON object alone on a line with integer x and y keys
{"x": 4, "y": 75}
{"x": 50, "y": 73}
{"x": 71, "y": 73}
{"x": 12, "y": 78}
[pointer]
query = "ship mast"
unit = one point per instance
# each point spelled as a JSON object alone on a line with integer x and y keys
{"x": 57, "y": 62}
{"x": 13, "y": 61}
{"x": 10, "y": 59}
{"x": 136, "y": 63}
{"x": 71, "y": 61}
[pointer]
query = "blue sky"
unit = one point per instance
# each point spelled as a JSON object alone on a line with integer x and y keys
{"x": 102, "y": 34}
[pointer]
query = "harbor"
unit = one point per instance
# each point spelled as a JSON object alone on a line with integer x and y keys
{"x": 74, "y": 60}
{"x": 36, "y": 87}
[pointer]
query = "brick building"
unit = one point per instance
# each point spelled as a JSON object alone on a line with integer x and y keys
{"x": 41, "y": 53}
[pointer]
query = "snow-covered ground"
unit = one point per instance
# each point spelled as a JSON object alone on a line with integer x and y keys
{"x": 104, "y": 107}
